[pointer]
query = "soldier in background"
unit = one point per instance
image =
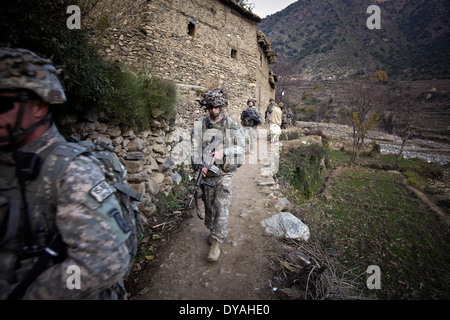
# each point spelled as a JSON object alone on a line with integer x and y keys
{"x": 250, "y": 119}
{"x": 289, "y": 117}
{"x": 227, "y": 157}
{"x": 42, "y": 242}
{"x": 283, "y": 116}
{"x": 275, "y": 122}
{"x": 268, "y": 113}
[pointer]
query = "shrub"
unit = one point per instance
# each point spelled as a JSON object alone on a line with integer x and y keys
{"x": 84, "y": 71}
{"x": 290, "y": 135}
{"x": 92, "y": 84}
{"x": 303, "y": 168}
{"x": 161, "y": 96}
{"x": 415, "y": 180}
{"x": 139, "y": 98}
{"x": 127, "y": 104}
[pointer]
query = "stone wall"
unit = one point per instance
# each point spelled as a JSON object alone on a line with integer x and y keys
{"x": 152, "y": 157}
{"x": 200, "y": 44}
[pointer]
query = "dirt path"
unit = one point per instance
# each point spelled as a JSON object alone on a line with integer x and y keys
{"x": 181, "y": 270}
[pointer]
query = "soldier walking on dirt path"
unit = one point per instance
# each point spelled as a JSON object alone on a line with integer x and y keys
{"x": 227, "y": 157}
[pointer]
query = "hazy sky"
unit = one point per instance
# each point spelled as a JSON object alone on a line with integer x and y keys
{"x": 266, "y": 7}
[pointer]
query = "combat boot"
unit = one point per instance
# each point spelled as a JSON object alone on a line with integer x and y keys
{"x": 214, "y": 251}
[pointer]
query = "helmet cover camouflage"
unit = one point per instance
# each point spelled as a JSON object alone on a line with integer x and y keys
{"x": 23, "y": 69}
{"x": 214, "y": 98}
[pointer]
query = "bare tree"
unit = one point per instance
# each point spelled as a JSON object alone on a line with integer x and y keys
{"x": 403, "y": 119}
{"x": 366, "y": 99}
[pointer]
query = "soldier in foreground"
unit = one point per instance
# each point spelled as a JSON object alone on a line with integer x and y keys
{"x": 51, "y": 232}
{"x": 226, "y": 158}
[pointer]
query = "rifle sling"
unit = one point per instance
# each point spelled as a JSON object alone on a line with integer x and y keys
{"x": 51, "y": 252}
{"x": 204, "y": 201}
{"x": 202, "y": 186}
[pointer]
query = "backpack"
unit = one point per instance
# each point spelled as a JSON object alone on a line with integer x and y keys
{"x": 115, "y": 174}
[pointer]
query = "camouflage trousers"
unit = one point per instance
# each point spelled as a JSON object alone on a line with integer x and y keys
{"x": 218, "y": 200}
{"x": 251, "y": 136}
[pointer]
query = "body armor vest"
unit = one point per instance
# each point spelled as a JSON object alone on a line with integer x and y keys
{"x": 22, "y": 238}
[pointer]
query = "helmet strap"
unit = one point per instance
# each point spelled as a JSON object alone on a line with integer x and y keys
{"x": 18, "y": 131}
{"x": 23, "y": 100}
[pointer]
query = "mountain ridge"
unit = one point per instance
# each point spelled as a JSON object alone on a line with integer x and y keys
{"x": 329, "y": 39}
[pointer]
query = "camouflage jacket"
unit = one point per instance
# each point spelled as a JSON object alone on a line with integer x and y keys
{"x": 232, "y": 142}
{"x": 94, "y": 243}
{"x": 270, "y": 108}
{"x": 248, "y": 116}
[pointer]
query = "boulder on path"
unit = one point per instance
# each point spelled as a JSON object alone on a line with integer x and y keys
{"x": 286, "y": 225}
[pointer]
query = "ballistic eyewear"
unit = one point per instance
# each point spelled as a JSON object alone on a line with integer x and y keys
{"x": 7, "y": 103}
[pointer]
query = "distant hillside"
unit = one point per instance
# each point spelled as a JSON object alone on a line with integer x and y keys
{"x": 329, "y": 39}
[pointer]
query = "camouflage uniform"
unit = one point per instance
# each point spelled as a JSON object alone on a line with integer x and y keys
{"x": 218, "y": 199}
{"x": 268, "y": 113}
{"x": 250, "y": 125}
{"x": 233, "y": 144}
{"x": 92, "y": 238}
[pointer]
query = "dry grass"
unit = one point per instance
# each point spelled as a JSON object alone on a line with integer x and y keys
{"x": 366, "y": 217}
{"x": 308, "y": 272}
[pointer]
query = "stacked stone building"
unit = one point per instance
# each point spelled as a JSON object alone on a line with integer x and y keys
{"x": 199, "y": 44}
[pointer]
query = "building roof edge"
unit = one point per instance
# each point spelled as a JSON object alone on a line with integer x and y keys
{"x": 242, "y": 10}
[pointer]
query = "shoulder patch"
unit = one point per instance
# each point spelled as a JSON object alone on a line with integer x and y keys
{"x": 101, "y": 191}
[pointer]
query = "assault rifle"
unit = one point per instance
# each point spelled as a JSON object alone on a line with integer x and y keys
{"x": 251, "y": 116}
{"x": 200, "y": 181}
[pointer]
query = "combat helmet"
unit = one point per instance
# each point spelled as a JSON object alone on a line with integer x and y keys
{"x": 214, "y": 98}
{"x": 23, "y": 69}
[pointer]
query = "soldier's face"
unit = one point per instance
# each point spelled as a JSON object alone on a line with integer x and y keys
{"x": 8, "y": 113}
{"x": 214, "y": 112}
{"x": 9, "y": 109}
